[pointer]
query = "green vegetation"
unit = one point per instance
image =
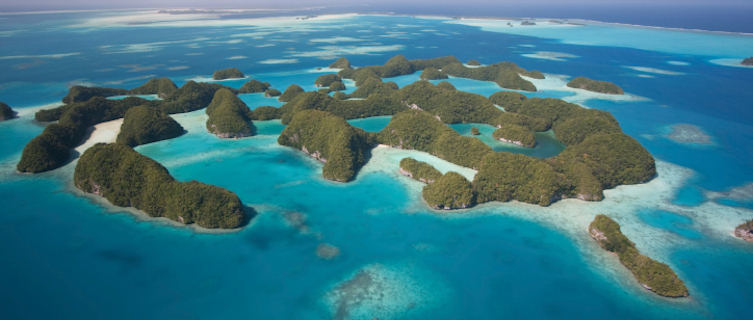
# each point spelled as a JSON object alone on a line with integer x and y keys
{"x": 146, "y": 124}
{"x": 81, "y": 93}
{"x": 229, "y": 117}
{"x": 446, "y": 85}
{"x": 254, "y": 86}
{"x": 326, "y": 80}
{"x": 272, "y": 93}
{"x": 419, "y": 170}
{"x": 229, "y": 73}
{"x": 450, "y": 191}
{"x": 473, "y": 62}
{"x": 6, "y": 113}
{"x": 330, "y": 139}
{"x": 531, "y": 123}
{"x": 265, "y": 113}
{"x": 595, "y": 85}
{"x": 128, "y": 179}
{"x": 341, "y": 63}
{"x": 374, "y": 105}
{"x": 505, "y": 74}
{"x": 515, "y": 134}
{"x": 451, "y": 106}
{"x": 433, "y": 74}
{"x": 508, "y": 100}
{"x": 336, "y": 86}
{"x": 475, "y": 131}
{"x": 747, "y": 61}
{"x": 191, "y": 96}
{"x": 651, "y": 274}
{"x": 52, "y": 148}
{"x": 290, "y": 93}
{"x": 508, "y": 176}
{"x": 419, "y": 130}
{"x": 162, "y": 87}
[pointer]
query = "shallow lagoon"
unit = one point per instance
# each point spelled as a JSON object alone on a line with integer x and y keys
{"x": 73, "y": 258}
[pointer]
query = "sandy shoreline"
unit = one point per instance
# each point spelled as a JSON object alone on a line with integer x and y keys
{"x": 105, "y": 132}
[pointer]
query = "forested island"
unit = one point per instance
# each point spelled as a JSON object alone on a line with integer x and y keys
{"x": 419, "y": 170}
{"x": 146, "y": 124}
{"x": 6, "y": 113}
{"x": 651, "y": 274}
{"x": 747, "y": 61}
{"x": 229, "y": 117}
{"x": 595, "y": 85}
{"x": 745, "y": 231}
{"x": 229, "y": 73}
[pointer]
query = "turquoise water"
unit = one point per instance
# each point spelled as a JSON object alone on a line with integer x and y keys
{"x": 68, "y": 256}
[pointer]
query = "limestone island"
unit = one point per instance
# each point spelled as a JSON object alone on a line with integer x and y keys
{"x": 6, "y": 113}
{"x": 651, "y": 274}
{"x": 475, "y": 131}
{"x": 272, "y": 93}
{"x": 515, "y": 134}
{"x": 419, "y": 170}
{"x": 229, "y": 117}
{"x": 128, "y": 179}
{"x": 747, "y": 61}
{"x": 341, "y": 63}
{"x": 229, "y": 73}
{"x": 745, "y": 231}
{"x": 146, "y": 124}
{"x": 254, "y": 86}
{"x": 595, "y": 86}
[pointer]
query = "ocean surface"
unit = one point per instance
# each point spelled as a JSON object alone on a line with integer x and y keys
{"x": 69, "y": 256}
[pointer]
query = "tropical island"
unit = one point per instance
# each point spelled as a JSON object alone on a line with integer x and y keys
{"x": 419, "y": 170}
{"x": 747, "y": 61}
{"x": 745, "y": 231}
{"x": 229, "y": 73}
{"x": 595, "y": 85}
{"x": 146, "y": 124}
{"x": 651, "y": 274}
{"x": 6, "y": 113}
{"x": 229, "y": 117}
{"x": 254, "y": 86}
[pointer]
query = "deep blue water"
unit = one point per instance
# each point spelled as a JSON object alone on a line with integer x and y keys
{"x": 65, "y": 256}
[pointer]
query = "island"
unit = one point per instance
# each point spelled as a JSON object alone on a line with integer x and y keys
{"x": 336, "y": 86}
{"x": 473, "y": 62}
{"x": 475, "y": 131}
{"x": 162, "y": 87}
{"x": 6, "y": 113}
{"x": 229, "y": 117}
{"x": 272, "y": 93}
{"x": 343, "y": 148}
{"x": 450, "y": 191}
{"x": 254, "y": 86}
{"x": 595, "y": 86}
{"x": 146, "y": 124}
{"x": 651, "y": 274}
{"x": 515, "y": 134}
{"x": 747, "y": 61}
{"x": 419, "y": 170}
{"x": 745, "y": 231}
{"x": 431, "y": 73}
{"x": 229, "y": 73}
{"x": 290, "y": 93}
{"x": 82, "y": 93}
{"x": 128, "y": 179}
{"x": 326, "y": 80}
{"x": 341, "y": 63}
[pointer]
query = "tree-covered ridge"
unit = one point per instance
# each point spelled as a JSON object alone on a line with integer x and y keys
{"x": 229, "y": 117}
{"x": 343, "y": 148}
{"x": 128, "y": 179}
{"x": 451, "y": 106}
{"x": 145, "y": 124}
{"x": 326, "y": 79}
{"x": 651, "y": 274}
{"x": 229, "y": 73}
{"x": 341, "y": 63}
{"x": 272, "y": 93}
{"x": 53, "y": 148}
{"x": 473, "y": 62}
{"x": 747, "y": 61}
{"x": 419, "y": 170}
{"x": 191, "y": 96}
{"x": 595, "y": 85}
{"x": 162, "y": 87}
{"x": 290, "y": 93}
{"x": 254, "y": 86}
{"x": 450, "y": 191}
{"x": 82, "y": 93}
{"x": 507, "y": 176}
{"x": 6, "y": 113}
{"x": 431, "y": 73}
{"x": 374, "y": 105}
{"x": 508, "y": 100}
{"x": 515, "y": 134}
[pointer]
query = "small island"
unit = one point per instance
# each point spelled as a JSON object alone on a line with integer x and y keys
{"x": 326, "y": 80}
{"x": 515, "y": 134}
{"x": 328, "y": 138}
{"x": 450, "y": 191}
{"x": 651, "y": 274}
{"x": 433, "y": 74}
{"x": 473, "y": 62}
{"x": 341, "y": 63}
{"x": 128, "y": 179}
{"x": 146, "y": 124}
{"x": 229, "y": 73}
{"x": 162, "y": 87}
{"x": 229, "y": 117}
{"x": 745, "y": 231}
{"x": 6, "y": 113}
{"x": 475, "y": 131}
{"x": 747, "y": 61}
{"x": 290, "y": 93}
{"x": 595, "y": 86}
{"x": 419, "y": 170}
{"x": 272, "y": 93}
{"x": 254, "y": 86}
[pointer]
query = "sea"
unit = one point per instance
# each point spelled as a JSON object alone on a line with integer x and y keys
{"x": 66, "y": 255}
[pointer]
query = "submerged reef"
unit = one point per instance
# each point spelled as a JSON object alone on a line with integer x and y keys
{"x": 688, "y": 133}
{"x": 595, "y": 86}
{"x": 229, "y": 73}
{"x": 128, "y": 179}
{"x": 651, "y": 274}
